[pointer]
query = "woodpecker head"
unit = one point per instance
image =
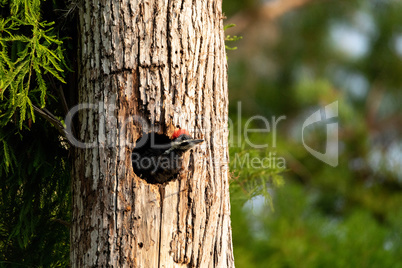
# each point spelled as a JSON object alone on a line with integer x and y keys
{"x": 182, "y": 141}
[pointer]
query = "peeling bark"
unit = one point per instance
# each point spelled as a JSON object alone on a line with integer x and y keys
{"x": 163, "y": 62}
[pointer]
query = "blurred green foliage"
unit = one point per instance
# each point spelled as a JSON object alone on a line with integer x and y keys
{"x": 309, "y": 57}
{"x": 35, "y": 198}
{"x": 253, "y": 170}
{"x": 300, "y": 234}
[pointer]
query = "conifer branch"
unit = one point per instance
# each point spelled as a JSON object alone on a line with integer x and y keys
{"x": 51, "y": 119}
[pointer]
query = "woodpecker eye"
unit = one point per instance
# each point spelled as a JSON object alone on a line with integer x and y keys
{"x": 185, "y": 144}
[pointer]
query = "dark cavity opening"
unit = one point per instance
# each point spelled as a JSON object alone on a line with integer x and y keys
{"x": 151, "y": 163}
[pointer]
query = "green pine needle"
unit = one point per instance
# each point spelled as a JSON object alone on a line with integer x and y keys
{"x": 30, "y": 57}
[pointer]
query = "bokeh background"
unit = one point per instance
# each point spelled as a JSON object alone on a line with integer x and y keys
{"x": 294, "y": 57}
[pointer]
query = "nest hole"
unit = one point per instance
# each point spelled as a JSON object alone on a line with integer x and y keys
{"x": 145, "y": 158}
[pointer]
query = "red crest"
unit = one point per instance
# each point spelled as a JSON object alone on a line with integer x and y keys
{"x": 179, "y": 132}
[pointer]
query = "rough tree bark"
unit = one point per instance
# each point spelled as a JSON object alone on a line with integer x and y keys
{"x": 162, "y": 62}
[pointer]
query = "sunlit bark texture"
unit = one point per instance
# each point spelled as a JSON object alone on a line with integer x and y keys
{"x": 151, "y": 66}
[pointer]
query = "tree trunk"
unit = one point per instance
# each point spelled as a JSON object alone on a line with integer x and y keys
{"x": 151, "y": 66}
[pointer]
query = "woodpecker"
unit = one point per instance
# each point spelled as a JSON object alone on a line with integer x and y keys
{"x": 158, "y": 159}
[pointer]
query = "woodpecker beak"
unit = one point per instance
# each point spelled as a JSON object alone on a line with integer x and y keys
{"x": 195, "y": 142}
